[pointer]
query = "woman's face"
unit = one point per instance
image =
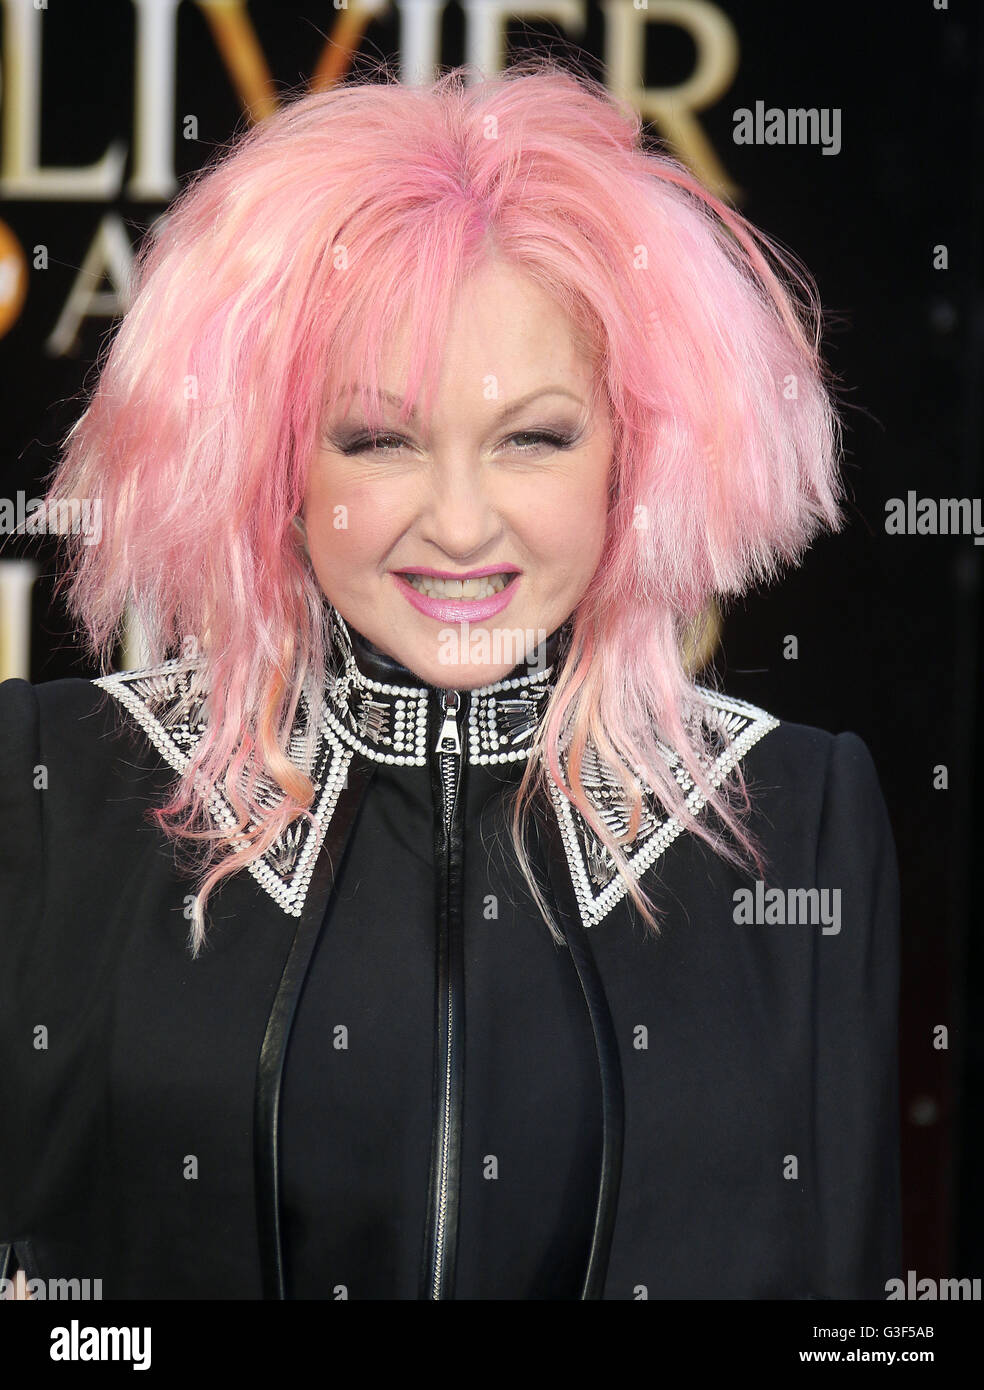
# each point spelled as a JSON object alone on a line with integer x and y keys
{"x": 508, "y": 477}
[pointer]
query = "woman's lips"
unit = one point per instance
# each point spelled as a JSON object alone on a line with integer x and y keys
{"x": 456, "y": 610}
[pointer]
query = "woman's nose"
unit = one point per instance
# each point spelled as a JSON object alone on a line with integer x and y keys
{"x": 458, "y": 515}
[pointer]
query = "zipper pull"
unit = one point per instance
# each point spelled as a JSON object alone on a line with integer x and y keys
{"x": 448, "y": 740}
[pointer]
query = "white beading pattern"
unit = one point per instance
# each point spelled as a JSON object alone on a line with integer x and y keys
{"x": 598, "y": 887}
{"x": 164, "y": 704}
{"x": 391, "y": 727}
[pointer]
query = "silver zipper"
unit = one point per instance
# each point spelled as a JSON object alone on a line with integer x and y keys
{"x": 448, "y": 750}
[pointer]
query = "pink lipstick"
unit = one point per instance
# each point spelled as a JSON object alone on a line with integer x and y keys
{"x": 458, "y": 610}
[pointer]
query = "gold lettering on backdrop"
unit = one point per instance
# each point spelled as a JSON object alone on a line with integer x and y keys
{"x": 21, "y": 175}
{"x": 346, "y": 36}
{"x": 155, "y": 64}
{"x": 240, "y": 50}
{"x": 486, "y": 20}
{"x": 672, "y": 109}
{"x": 109, "y": 257}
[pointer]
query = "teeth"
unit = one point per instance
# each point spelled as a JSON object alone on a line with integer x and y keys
{"x": 486, "y": 587}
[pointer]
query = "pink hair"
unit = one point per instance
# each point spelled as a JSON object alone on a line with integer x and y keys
{"x": 285, "y": 267}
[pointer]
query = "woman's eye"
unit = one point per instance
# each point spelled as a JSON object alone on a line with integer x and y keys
{"x": 375, "y": 442}
{"x": 534, "y": 438}
{"x": 526, "y": 441}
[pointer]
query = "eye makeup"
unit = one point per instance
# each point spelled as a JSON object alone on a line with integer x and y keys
{"x": 350, "y": 442}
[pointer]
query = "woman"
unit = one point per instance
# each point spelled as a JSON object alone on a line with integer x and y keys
{"x": 413, "y": 925}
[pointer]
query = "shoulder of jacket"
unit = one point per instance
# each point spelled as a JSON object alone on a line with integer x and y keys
{"x": 70, "y": 711}
{"x": 76, "y": 711}
{"x": 794, "y": 754}
{"x": 790, "y": 771}
{"x": 816, "y": 791}
{"x": 58, "y": 699}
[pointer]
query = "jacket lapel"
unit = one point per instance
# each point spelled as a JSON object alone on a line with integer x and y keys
{"x": 568, "y": 917}
{"x": 273, "y": 1052}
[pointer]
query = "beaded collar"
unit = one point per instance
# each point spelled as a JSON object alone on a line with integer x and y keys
{"x": 377, "y": 707}
{"x": 383, "y": 711}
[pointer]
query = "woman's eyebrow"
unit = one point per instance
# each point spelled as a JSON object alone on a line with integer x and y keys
{"x": 513, "y": 408}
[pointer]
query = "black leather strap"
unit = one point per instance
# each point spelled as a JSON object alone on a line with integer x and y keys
{"x": 274, "y": 1048}
{"x": 568, "y": 918}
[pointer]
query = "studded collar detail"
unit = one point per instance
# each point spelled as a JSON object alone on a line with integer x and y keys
{"x": 382, "y": 710}
{"x": 376, "y": 708}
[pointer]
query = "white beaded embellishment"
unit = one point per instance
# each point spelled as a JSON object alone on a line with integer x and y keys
{"x": 501, "y": 724}
{"x": 388, "y": 723}
{"x": 161, "y": 701}
{"x": 597, "y": 884}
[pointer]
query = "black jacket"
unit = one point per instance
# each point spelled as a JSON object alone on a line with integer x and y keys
{"x": 383, "y": 1078}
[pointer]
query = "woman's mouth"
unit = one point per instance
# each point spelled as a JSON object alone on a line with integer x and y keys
{"x": 486, "y": 587}
{"x": 457, "y": 600}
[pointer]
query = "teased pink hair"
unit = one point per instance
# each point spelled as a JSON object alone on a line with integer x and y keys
{"x": 288, "y": 264}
